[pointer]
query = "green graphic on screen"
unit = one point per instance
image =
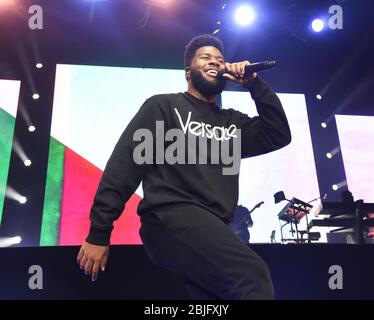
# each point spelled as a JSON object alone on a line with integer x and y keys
{"x": 9, "y": 93}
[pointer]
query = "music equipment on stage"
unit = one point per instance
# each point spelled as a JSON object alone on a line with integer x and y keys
{"x": 292, "y": 214}
{"x": 339, "y": 222}
{"x": 356, "y": 215}
{"x": 294, "y": 211}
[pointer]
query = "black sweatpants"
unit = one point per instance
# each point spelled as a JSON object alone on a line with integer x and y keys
{"x": 213, "y": 260}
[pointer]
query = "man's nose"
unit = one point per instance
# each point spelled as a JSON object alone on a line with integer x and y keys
{"x": 214, "y": 62}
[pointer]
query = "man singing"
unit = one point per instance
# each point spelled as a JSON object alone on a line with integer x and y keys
{"x": 187, "y": 205}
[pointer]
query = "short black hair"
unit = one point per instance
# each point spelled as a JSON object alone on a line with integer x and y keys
{"x": 198, "y": 42}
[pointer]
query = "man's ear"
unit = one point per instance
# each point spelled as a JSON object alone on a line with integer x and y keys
{"x": 188, "y": 73}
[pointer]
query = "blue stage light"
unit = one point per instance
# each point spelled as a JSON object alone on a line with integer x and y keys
{"x": 244, "y": 15}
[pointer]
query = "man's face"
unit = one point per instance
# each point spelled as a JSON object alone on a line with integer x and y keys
{"x": 204, "y": 71}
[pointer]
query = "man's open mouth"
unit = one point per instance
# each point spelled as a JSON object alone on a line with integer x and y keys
{"x": 212, "y": 72}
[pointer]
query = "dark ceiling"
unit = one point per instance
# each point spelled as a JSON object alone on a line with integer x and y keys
{"x": 120, "y": 32}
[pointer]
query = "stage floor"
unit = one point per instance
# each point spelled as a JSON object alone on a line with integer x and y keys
{"x": 315, "y": 271}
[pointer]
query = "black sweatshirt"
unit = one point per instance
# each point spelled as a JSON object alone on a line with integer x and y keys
{"x": 174, "y": 186}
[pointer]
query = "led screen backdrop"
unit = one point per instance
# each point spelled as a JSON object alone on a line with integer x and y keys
{"x": 9, "y": 93}
{"x": 93, "y": 105}
{"x": 290, "y": 169}
{"x": 356, "y": 136}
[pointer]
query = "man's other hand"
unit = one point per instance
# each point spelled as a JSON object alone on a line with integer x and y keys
{"x": 92, "y": 258}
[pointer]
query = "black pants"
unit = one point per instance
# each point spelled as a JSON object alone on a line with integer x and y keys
{"x": 214, "y": 262}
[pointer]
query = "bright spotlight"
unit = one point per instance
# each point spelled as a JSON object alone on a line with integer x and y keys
{"x": 20, "y": 152}
{"x": 27, "y": 163}
{"x": 35, "y": 96}
{"x": 323, "y": 125}
{"x": 216, "y": 31}
{"x": 39, "y": 65}
{"x": 333, "y": 152}
{"x": 22, "y": 200}
{"x": 244, "y": 15}
{"x": 339, "y": 185}
{"x": 5, "y": 3}
{"x": 318, "y": 96}
{"x": 32, "y": 128}
{"x": 17, "y": 239}
{"x": 10, "y": 241}
{"x": 15, "y": 195}
{"x": 317, "y": 25}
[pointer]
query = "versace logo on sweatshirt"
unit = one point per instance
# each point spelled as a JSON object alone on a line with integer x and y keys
{"x": 205, "y": 129}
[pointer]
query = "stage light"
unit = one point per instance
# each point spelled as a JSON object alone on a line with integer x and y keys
{"x": 39, "y": 65}
{"x": 27, "y": 163}
{"x": 17, "y": 239}
{"x": 216, "y": 31}
{"x": 31, "y": 128}
{"x": 319, "y": 97}
{"x": 323, "y": 125}
{"x": 339, "y": 185}
{"x": 317, "y": 25}
{"x": 218, "y": 22}
{"x": 15, "y": 195}
{"x": 22, "y": 199}
{"x": 333, "y": 152}
{"x": 21, "y": 152}
{"x": 35, "y": 96}
{"x": 244, "y": 15}
{"x": 9, "y": 241}
{"x": 4, "y": 3}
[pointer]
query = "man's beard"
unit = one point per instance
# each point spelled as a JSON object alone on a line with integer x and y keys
{"x": 207, "y": 87}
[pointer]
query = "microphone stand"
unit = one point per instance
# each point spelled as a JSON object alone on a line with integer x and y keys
{"x": 320, "y": 197}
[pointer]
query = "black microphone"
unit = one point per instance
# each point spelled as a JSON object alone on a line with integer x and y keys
{"x": 252, "y": 68}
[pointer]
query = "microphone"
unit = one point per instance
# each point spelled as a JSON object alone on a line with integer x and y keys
{"x": 252, "y": 68}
